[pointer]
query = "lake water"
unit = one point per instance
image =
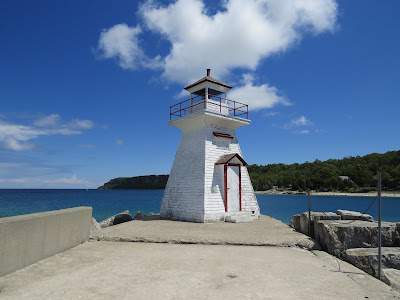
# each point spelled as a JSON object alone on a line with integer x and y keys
{"x": 106, "y": 203}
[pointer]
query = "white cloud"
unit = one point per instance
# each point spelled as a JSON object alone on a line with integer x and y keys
{"x": 257, "y": 97}
{"x": 239, "y": 35}
{"x": 16, "y": 137}
{"x": 120, "y": 142}
{"x": 301, "y": 121}
{"x": 122, "y": 42}
{"x": 298, "y": 122}
{"x": 81, "y": 124}
{"x": 12, "y": 144}
{"x": 48, "y": 121}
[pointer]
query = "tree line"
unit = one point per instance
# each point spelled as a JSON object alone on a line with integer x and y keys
{"x": 350, "y": 174}
{"x": 331, "y": 174}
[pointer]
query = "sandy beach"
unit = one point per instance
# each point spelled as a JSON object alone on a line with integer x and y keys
{"x": 369, "y": 194}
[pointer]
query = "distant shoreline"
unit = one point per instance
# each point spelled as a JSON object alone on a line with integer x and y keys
{"x": 369, "y": 194}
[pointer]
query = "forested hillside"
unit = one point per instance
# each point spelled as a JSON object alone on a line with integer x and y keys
{"x": 324, "y": 175}
{"x": 317, "y": 175}
{"x": 150, "y": 182}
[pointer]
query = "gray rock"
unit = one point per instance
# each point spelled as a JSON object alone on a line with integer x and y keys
{"x": 151, "y": 214}
{"x": 335, "y": 236}
{"x": 295, "y": 222}
{"x": 398, "y": 235}
{"x": 94, "y": 226}
{"x": 139, "y": 216}
{"x": 125, "y": 216}
{"x": 354, "y": 215}
{"x": 366, "y": 259}
{"x": 392, "y": 277}
{"x": 315, "y": 216}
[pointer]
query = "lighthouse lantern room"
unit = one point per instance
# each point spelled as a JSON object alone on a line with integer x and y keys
{"x": 209, "y": 181}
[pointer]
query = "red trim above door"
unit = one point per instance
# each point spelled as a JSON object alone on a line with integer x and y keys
{"x": 224, "y": 135}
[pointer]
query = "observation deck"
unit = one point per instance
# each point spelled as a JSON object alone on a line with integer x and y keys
{"x": 211, "y": 103}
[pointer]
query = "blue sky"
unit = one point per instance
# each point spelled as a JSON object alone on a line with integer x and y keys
{"x": 85, "y": 86}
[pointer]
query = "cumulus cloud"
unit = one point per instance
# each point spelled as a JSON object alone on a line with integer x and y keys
{"x": 301, "y": 121}
{"x": 17, "y": 137}
{"x": 257, "y": 97}
{"x": 239, "y": 35}
{"x": 122, "y": 43}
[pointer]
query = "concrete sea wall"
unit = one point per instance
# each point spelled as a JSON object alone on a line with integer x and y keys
{"x": 26, "y": 239}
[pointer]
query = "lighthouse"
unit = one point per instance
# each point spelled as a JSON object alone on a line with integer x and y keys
{"x": 209, "y": 181}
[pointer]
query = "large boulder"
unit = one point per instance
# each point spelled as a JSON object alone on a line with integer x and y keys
{"x": 335, "y": 236}
{"x": 315, "y": 216}
{"x": 366, "y": 259}
{"x": 295, "y": 222}
{"x": 398, "y": 234}
{"x": 125, "y": 216}
{"x": 354, "y": 215}
{"x": 94, "y": 226}
{"x": 139, "y": 216}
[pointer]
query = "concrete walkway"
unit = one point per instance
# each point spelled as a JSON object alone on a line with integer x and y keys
{"x": 167, "y": 270}
{"x": 265, "y": 231}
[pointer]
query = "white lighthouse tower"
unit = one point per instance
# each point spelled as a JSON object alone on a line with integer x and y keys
{"x": 209, "y": 181}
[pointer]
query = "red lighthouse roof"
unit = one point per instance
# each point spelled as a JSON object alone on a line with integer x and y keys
{"x": 209, "y": 79}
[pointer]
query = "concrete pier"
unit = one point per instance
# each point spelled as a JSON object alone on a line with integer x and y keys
{"x": 146, "y": 259}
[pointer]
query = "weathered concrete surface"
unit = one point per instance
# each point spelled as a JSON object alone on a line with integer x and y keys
{"x": 392, "y": 277}
{"x": 338, "y": 235}
{"x": 26, "y": 239}
{"x": 103, "y": 270}
{"x": 94, "y": 226}
{"x": 354, "y": 215}
{"x": 122, "y": 217}
{"x": 265, "y": 231}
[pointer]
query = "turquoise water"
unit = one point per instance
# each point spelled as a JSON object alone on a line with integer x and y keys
{"x": 106, "y": 203}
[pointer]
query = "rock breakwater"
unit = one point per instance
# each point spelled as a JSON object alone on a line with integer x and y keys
{"x": 353, "y": 237}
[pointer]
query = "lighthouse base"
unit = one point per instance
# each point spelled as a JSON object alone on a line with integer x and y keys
{"x": 190, "y": 216}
